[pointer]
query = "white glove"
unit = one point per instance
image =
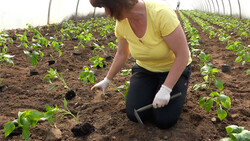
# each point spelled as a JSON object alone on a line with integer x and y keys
{"x": 102, "y": 84}
{"x": 162, "y": 97}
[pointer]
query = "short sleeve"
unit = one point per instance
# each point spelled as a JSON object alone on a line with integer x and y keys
{"x": 168, "y": 21}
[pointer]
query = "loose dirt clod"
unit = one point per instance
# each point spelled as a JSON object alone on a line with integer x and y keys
{"x": 82, "y": 129}
{"x": 54, "y": 134}
{"x": 70, "y": 95}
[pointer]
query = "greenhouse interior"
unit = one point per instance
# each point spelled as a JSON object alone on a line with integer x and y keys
{"x": 125, "y": 70}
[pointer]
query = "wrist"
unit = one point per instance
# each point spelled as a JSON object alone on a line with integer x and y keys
{"x": 166, "y": 88}
{"x": 107, "y": 80}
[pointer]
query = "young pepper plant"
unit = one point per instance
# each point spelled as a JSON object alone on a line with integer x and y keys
{"x": 84, "y": 37}
{"x": 87, "y": 75}
{"x": 4, "y": 57}
{"x": 30, "y": 118}
{"x": 123, "y": 89}
{"x": 97, "y": 61}
{"x": 207, "y": 71}
{"x": 52, "y": 73}
{"x": 56, "y": 46}
{"x": 236, "y": 133}
{"x": 220, "y": 99}
{"x": 33, "y": 50}
{"x": 98, "y": 48}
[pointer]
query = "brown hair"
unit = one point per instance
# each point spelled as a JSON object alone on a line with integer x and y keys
{"x": 115, "y": 6}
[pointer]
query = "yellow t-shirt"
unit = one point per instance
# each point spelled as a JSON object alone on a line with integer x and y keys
{"x": 152, "y": 52}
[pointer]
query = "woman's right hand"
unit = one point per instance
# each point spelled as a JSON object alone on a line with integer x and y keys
{"x": 102, "y": 84}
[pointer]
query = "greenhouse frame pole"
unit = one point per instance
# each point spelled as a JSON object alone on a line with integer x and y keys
{"x": 223, "y": 6}
{"x": 205, "y": 5}
{"x": 49, "y": 12}
{"x": 202, "y": 6}
{"x": 230, "y": 7}
{"x": 210, "y": 7}
{"x": 76, "y": 9}
{"x": 94, "y": 12}
{"x": 218, "y": 6}
{"x": 213, "y": 6}
{"x": 239, "y": 9}
{"x": 210, "y": 10}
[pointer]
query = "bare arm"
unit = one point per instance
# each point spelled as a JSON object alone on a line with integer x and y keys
{"x": 120, "y": 59}
{"x": 178, "y": 44}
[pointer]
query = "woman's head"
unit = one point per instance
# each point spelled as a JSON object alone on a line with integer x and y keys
{"x": 115, "y": 7}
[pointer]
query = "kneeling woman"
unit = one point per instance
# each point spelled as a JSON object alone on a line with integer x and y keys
{"x": 152, "y": 34}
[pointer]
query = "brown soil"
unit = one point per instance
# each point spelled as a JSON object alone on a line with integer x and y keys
{"x": 107, "y": 115}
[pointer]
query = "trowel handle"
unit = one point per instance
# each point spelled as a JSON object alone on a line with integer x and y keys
{"x": 145, "y": 108}
{"x": 150, "y": 105}
{"x": 175, "y": 96}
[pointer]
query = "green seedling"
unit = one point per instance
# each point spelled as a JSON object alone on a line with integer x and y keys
{"x": 37, "y": 36}
{"x": 55, "y": 46}
{"x": 219, "y": 98}
{"x": 221, "y": 101}
{"x": 207, "y": 71}
{"x": 248, "y": 71}
{"x": 209, "y": 77}
{"x": 194, "y": 40}
{"x": 23, "y": 39}
{"x": 84, "y": 37}
{"x": 30, "y": 118}
{"x": 4, "y": 57}
{"x": 243, "y": 55}
{"x": 236, "y": 133}
{"x": 123, "y": 89}
{"x": 87, "y": 75}
{"x": 112, "y": 46}
{"x": 212, "y": 34}
{"x": 126, "y": 72}
{"x": 243, "y": 52}
{"x": 54, "y": 74}
{"x": 97, "y": 61}
{"x": 34, "y": 51}
{"x": 98, "y": 48}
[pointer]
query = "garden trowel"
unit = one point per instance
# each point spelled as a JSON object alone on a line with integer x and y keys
{"x": 144, "y": 108}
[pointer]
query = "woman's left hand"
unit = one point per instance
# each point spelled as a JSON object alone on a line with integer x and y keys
{"x": 162, "y": 97}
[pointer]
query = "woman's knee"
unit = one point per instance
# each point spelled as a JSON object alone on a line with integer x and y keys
{"x": 168, "y": 116}
{"x": 166, "y": 123}
{"x": 130, "y": 114}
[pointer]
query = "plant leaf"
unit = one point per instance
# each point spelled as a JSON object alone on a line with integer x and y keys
{"x": 208, "y": 105}
{"x": 221, "y": 113}
{"x": 225, "y": 101}
{"x": 52, "y": 87}
{"x": 247, "y": 57}
{"x": 238, "y": 59}
{"x": 26, "y": 127}
{"x": 65, "y": 103}
{"x": 91, "y": 78}
{"x": 243, "y": 136}
{"x": 196, "y": 87}
{"x": 8, "y": 128}
{"x": 248, "y": 71}
{"x": 219, "y": 84}
{"x": 213, "y": 94}
{"x": 201, "y": 101}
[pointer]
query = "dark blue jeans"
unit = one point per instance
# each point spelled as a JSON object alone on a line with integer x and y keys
{"x": 143, "y": 87}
